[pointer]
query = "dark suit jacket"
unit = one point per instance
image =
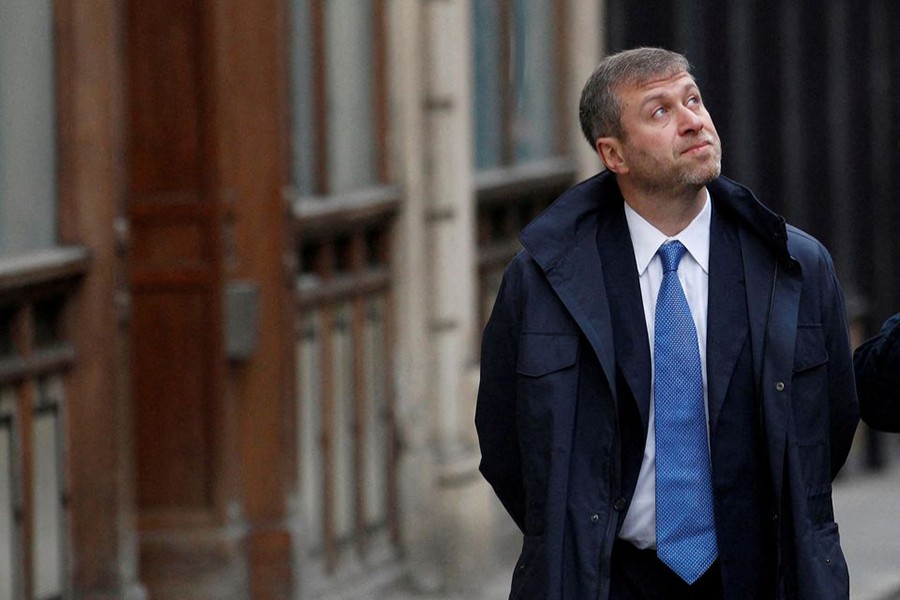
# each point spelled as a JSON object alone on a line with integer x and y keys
{"x": 564, "y": 396}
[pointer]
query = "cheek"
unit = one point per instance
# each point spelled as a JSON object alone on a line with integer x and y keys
{"x": 650, "y": 145}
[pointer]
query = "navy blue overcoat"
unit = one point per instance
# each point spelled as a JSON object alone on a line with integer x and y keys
{"x": 547, "y": 408}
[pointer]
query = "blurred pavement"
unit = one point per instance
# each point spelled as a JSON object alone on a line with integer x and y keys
{"x": 867, "y": 509}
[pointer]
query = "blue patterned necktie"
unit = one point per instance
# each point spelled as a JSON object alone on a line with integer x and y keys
{"x": 685, "y": 522}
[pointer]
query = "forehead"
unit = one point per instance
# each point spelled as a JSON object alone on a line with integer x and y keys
{"x": 630, "y": 92}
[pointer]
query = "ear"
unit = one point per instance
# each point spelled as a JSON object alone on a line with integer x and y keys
{"x": 610, "y": 151}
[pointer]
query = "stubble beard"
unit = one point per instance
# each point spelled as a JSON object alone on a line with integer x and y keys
{"x": 702, "y": 174}
{"x": 680, "y": 180}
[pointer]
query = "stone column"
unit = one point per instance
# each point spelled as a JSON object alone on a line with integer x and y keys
{"x": 463, "y": 501}
{"x": 412, "y": 384}
{"x": 446, "y": 505}
{"x": 587, "y": 42}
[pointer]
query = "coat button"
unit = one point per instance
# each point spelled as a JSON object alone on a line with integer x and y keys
{"x": 779, "y": 386}
{"x": 595, "y": 518}
{"x": 620, "y": 504}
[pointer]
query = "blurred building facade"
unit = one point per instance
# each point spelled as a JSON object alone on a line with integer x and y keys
{"x": 247, "y": 246}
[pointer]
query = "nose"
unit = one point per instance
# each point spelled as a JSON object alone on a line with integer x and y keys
{"x": 689, "y": 121}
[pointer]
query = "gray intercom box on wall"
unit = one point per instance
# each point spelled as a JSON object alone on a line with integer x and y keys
{"x": 241, "y": 319}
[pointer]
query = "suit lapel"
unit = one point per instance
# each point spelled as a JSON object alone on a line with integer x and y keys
{"x": 726, "y": 324}
{"x": 632, "y": 346}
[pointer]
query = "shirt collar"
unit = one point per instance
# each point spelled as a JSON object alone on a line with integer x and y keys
{"x": 647, "y": 239}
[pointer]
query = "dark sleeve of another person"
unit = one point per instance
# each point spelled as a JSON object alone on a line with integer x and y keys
{"x": 877, "y": 366}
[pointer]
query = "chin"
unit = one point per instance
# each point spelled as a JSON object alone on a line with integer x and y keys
{"x": 704, "y": 176}
{"x": 700, "y": 179}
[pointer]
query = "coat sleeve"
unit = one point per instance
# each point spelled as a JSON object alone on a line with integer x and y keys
{"x": 877, "y": 365}
{"x": 842, "y": 401}
{"x": 495, "y": 411}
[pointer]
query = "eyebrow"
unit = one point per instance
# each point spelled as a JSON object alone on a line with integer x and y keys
{"x": 687, "y": 86}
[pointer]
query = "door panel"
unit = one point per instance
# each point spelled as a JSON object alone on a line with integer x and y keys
{"x": 171, "y": 377}
{"x": 175, "y": 267}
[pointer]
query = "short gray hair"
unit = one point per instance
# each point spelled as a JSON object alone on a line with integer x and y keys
{"x": 600, "y": 111}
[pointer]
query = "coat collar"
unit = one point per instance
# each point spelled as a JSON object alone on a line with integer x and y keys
{"x": 574, "y": 215}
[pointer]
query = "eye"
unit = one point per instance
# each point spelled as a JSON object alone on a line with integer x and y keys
{"x": 694, "y": 101}
{"x": 659, "y": 112}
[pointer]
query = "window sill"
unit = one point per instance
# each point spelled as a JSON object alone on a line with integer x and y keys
{"x": 317, "y": 216}
{"x": 552, "y": 175}
{"x": 22, "y": 274}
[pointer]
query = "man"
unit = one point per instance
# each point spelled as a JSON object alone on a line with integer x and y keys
{"x": 666, "y": 384}
{"x": 877, "y": 364}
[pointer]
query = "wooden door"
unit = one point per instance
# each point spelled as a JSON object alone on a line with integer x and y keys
{"x": 213, "y": 434}
{"x": 175, "y": 263}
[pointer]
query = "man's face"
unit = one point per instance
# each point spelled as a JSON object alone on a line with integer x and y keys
{"x": 670, "y": 143}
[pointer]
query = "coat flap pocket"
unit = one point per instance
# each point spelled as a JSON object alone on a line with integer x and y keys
{"x": 810, "y": 351}
{"x": 544, "y": 353}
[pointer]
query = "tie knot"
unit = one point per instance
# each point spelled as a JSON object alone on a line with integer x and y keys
{"x": 670, "y": 253}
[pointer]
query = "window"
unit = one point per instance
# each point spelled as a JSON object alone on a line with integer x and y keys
{"x": 48, "y": 522}
{"x": 517, "y": 50}
{"x": 9, "y": 535}
{"x": 520, "y": 158}
{"x": 36, "y": 279}
{"x": 338, "y": 95}
{"x": 34, "y": 355}
{"x": 27, "y": 126}
{"x": 344, "y": 212}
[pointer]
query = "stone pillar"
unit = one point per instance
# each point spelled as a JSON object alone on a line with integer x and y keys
{"x": 587, "y": 43}
{"x": 445, "y": 504}
{"x": 463, "y": 501}
{"x": 412, "y": 384}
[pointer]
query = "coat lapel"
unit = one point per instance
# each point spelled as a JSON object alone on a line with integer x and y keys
{"x": 632, "y": 346}
{"x": 563, "y": 242}
{"x": 726, "y": 325}
{"x": 578, "y": 281}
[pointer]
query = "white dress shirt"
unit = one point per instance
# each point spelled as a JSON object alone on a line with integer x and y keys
{"x": 639, "y": 526}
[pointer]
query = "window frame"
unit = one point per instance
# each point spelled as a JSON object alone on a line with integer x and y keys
{"x": 319, "y": 133}
{"x": 504, "y": 46}
{"x": 338, "y": 275}
{"x": 509, "y": 195}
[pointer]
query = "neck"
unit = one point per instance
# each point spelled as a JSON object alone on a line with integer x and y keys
{"x": 669, "y": 212}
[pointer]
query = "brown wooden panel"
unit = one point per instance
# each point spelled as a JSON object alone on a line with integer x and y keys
{"x": 252, "y": 126}
{"x": 173, "y": 397}
{"x": 90, "y": 103}
{"x": 175, "y": 262}
{"x": 164, "y": 63}
{"x": 172, "y": 245}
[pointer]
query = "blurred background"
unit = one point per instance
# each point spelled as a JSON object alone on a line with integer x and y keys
{"x": 247, "y": 248}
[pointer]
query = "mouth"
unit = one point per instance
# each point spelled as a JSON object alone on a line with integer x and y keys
{"x": 697, "y": 148}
